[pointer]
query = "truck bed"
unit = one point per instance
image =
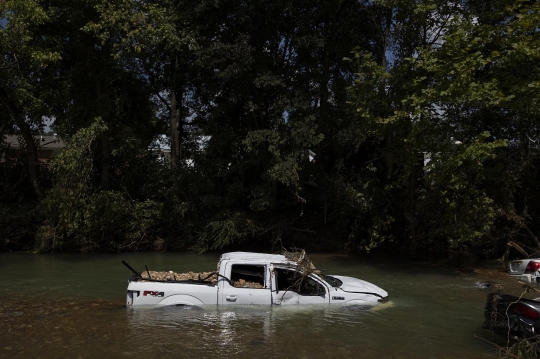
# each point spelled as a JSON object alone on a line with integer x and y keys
{"x": 196, "y": 277}
{"x": 170, "y": 276}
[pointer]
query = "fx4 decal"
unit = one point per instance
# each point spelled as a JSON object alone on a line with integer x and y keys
{"x": 153, "y": 293}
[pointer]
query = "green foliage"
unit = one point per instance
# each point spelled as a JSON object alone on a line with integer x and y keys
{"x": 18, "y": 226}
{"x": 220, "y": 234}
{"x": 81, "y": 216}
{"x": 25, "y": 56}
{"x": 392, "y": 124}
{"x": 73, "y": 169}
{"x": 461, "y": 209}
{"x": 288, "y": 152}
{"x": 439, "y": 100}
{"x": 142, "y": 25}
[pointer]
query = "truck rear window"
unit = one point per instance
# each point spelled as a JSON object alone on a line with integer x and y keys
{"x": 248, "y": 276}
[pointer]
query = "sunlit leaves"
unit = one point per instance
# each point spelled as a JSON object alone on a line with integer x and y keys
{"x": 135, "y": 26}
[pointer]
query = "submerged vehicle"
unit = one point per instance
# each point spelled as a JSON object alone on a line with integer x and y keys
{"x": 527, "y": 270}
{"x": 514, "y": 317}
{"x": 251, "y": 278}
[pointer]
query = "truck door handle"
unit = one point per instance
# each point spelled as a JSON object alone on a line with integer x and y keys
{"x": 231, "y": 298}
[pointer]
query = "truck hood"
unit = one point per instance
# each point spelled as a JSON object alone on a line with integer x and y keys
{"x": 355, "y": 285}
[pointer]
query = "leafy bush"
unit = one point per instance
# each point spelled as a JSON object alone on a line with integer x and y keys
{"x": 80, "y": 216}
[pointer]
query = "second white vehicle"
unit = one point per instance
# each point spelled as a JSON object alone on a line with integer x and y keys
{"x": 527, "y": 270}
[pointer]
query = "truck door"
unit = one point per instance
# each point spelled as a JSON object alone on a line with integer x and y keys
{"x": 248, "y": 284}
{"x": 291, "y": 287}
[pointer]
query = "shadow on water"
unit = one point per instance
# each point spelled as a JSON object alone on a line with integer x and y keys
{"x": 73, "y": 307}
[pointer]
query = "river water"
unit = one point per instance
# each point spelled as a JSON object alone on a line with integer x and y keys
{"x": 72, "y": 306}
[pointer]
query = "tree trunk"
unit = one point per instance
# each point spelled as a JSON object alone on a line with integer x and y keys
{"x": 386, "y": 36}
{"x": 31, "y": 158}
{"x": 106, "y": 161}
{"x": 175, "y": 131}
{"x": 31, "y": 149}
{"x": 411, "y": 208}
{"x": 325, "y": 82}
{"x": 175, "y": 118}
{"x": 2, "y": 129}
{"x": 384, "y": 32}
{"x": 105, "y": 180}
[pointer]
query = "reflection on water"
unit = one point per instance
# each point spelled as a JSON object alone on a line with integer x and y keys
{"x": 67, "y": 306}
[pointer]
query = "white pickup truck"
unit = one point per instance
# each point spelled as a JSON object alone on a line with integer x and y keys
{"x": 277, "y": 281}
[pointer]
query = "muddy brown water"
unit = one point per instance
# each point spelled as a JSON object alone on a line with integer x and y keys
{"x": 72, "y": 306}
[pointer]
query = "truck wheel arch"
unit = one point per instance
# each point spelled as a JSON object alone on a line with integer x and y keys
{"x": 181, "y": 299}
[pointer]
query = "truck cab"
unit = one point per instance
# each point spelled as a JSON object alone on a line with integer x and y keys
{"x": 280, "y": 282}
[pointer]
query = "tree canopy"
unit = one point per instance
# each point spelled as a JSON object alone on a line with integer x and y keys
{"x": 357, "y": 125}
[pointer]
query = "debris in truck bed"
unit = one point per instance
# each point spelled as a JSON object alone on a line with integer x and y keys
{"x": 242, "y": 283}
{"x": 173, "y": 276}
{"x": 196, "y": 276}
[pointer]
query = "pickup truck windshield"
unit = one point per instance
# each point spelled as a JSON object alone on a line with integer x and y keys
{"x": 334, "y": 282}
